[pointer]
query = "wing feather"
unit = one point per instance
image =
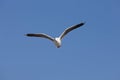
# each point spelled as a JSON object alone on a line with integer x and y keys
{"x": 40, "y": 35}
{"x": 70, "y": 29}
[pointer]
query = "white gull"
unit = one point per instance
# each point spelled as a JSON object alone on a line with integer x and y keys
{"x": 57, "y": 40}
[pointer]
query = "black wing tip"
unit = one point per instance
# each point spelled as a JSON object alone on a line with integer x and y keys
{"x": 28, "y": 34}
{"x": 82, "y": 23}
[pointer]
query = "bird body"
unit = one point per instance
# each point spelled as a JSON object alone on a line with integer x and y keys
{"x": 57, "y": 40}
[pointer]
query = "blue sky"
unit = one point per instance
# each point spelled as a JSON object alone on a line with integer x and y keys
{"x": 91, "y": 52}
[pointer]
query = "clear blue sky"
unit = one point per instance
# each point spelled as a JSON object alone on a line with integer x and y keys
{"x": 91, "y": 52}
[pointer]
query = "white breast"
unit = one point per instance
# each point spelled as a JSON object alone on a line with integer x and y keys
{"x": 57, "y": 42}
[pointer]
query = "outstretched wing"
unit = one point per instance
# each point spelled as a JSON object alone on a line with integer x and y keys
{"x": 40, "y": 35}
{"x": 70, "y": 29}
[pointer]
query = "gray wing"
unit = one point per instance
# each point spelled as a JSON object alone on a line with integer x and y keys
{"x": 70, "y": 29}
{"x": 40, "y": 35}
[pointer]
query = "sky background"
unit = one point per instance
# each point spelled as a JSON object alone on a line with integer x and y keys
{"x": 91, "y": 52}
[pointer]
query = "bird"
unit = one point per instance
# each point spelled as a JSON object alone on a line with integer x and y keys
{"x": 57, "y": 40}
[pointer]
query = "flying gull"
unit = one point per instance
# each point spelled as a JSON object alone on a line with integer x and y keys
{"x": 57, "y": 40}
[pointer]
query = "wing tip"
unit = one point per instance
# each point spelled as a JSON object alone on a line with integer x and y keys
{"x": 28, "y": 35}
{"x": 82, "y": 23}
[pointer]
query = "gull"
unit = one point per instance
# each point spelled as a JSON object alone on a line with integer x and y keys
{"x": 56, "y": 40}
